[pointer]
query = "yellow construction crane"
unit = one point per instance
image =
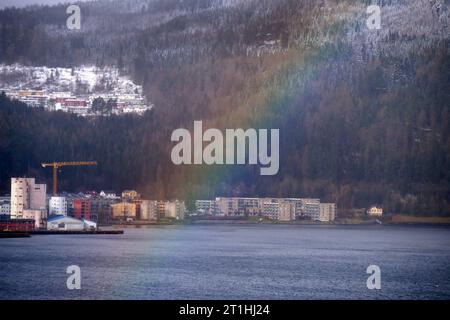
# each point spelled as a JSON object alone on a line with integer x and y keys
{"x": 57, "y": 165}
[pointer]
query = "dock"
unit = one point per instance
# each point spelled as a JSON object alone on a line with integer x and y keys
{"x": 56, "y": 232}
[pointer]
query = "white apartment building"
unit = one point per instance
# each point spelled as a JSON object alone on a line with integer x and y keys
{"x": 5, "y": 209}
{"x": 57, "y": 206}
{"x": 327, "y": 212}
{"x": 238, "y": 206}
{"x": 282, "y": 209}
{"x": 226, "y": 206}
{"x": 270, "y": 209}
{"x": 286, "y": 211}
{"x": 27, "y": 195}
{"x": 205, "y": 206}
{"x": 311, "y": 209}
{"x": 175, "y": 209}
{"x": 278, "y": 209}
{"x": 149, "y": 210}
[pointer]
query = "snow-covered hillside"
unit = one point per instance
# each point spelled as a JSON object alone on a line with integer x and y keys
{"x": 42, "y": 86}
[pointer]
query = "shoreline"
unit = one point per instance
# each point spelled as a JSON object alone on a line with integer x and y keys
{"x": 224, "y": 222}
{"x": 117, "y": 228}
{"x": 395, "y": 220}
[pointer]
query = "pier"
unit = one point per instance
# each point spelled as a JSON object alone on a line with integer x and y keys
{"x": 49, "y": 232}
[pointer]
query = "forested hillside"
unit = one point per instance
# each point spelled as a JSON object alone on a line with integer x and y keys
{"x": 364, "y": 115}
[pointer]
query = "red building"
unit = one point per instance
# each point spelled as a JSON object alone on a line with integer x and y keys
{"x": 82, "y": 209}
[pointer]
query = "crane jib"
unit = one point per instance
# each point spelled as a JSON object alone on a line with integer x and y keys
{"x": 57, "y": 165}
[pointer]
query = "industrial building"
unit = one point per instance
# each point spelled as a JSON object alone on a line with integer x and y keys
{"x": 39, "y": 217}
{"x": 64, "y": 223}
{"x": 26, "y": 195}
{"x": 28, "y": 200}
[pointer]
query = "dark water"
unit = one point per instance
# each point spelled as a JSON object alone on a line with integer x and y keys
{"x": 231, "y": 262}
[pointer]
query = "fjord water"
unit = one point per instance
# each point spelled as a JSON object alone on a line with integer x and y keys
{"x": 231, "y": 262}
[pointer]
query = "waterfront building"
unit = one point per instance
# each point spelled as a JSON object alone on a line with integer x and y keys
{"x": 225, "y": 206}
{"x": 286, "y": 211}
{"x": 238, "y": 206}
{"x": 327, "y": 212}
{"x": 64, "y": 223}
{"x": 149, "y": 210}
{"x": 175, "y": 210}
{"x": 278, "y": 209}
{"x": 101, "y": 210}
{"x": 205, "y": 206}
{"x": 124, "y": 210}
{"x": 27, "y": 195}
{"x": 161, "y": 208}
{"x": 270, "y": 209}
{"x": 138, "y": 203}
{"x": 82, "y": 209}
{"x": 248, "y": 206}
{"x": 311, "y": 209}
{"x": 298, "y": 207}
